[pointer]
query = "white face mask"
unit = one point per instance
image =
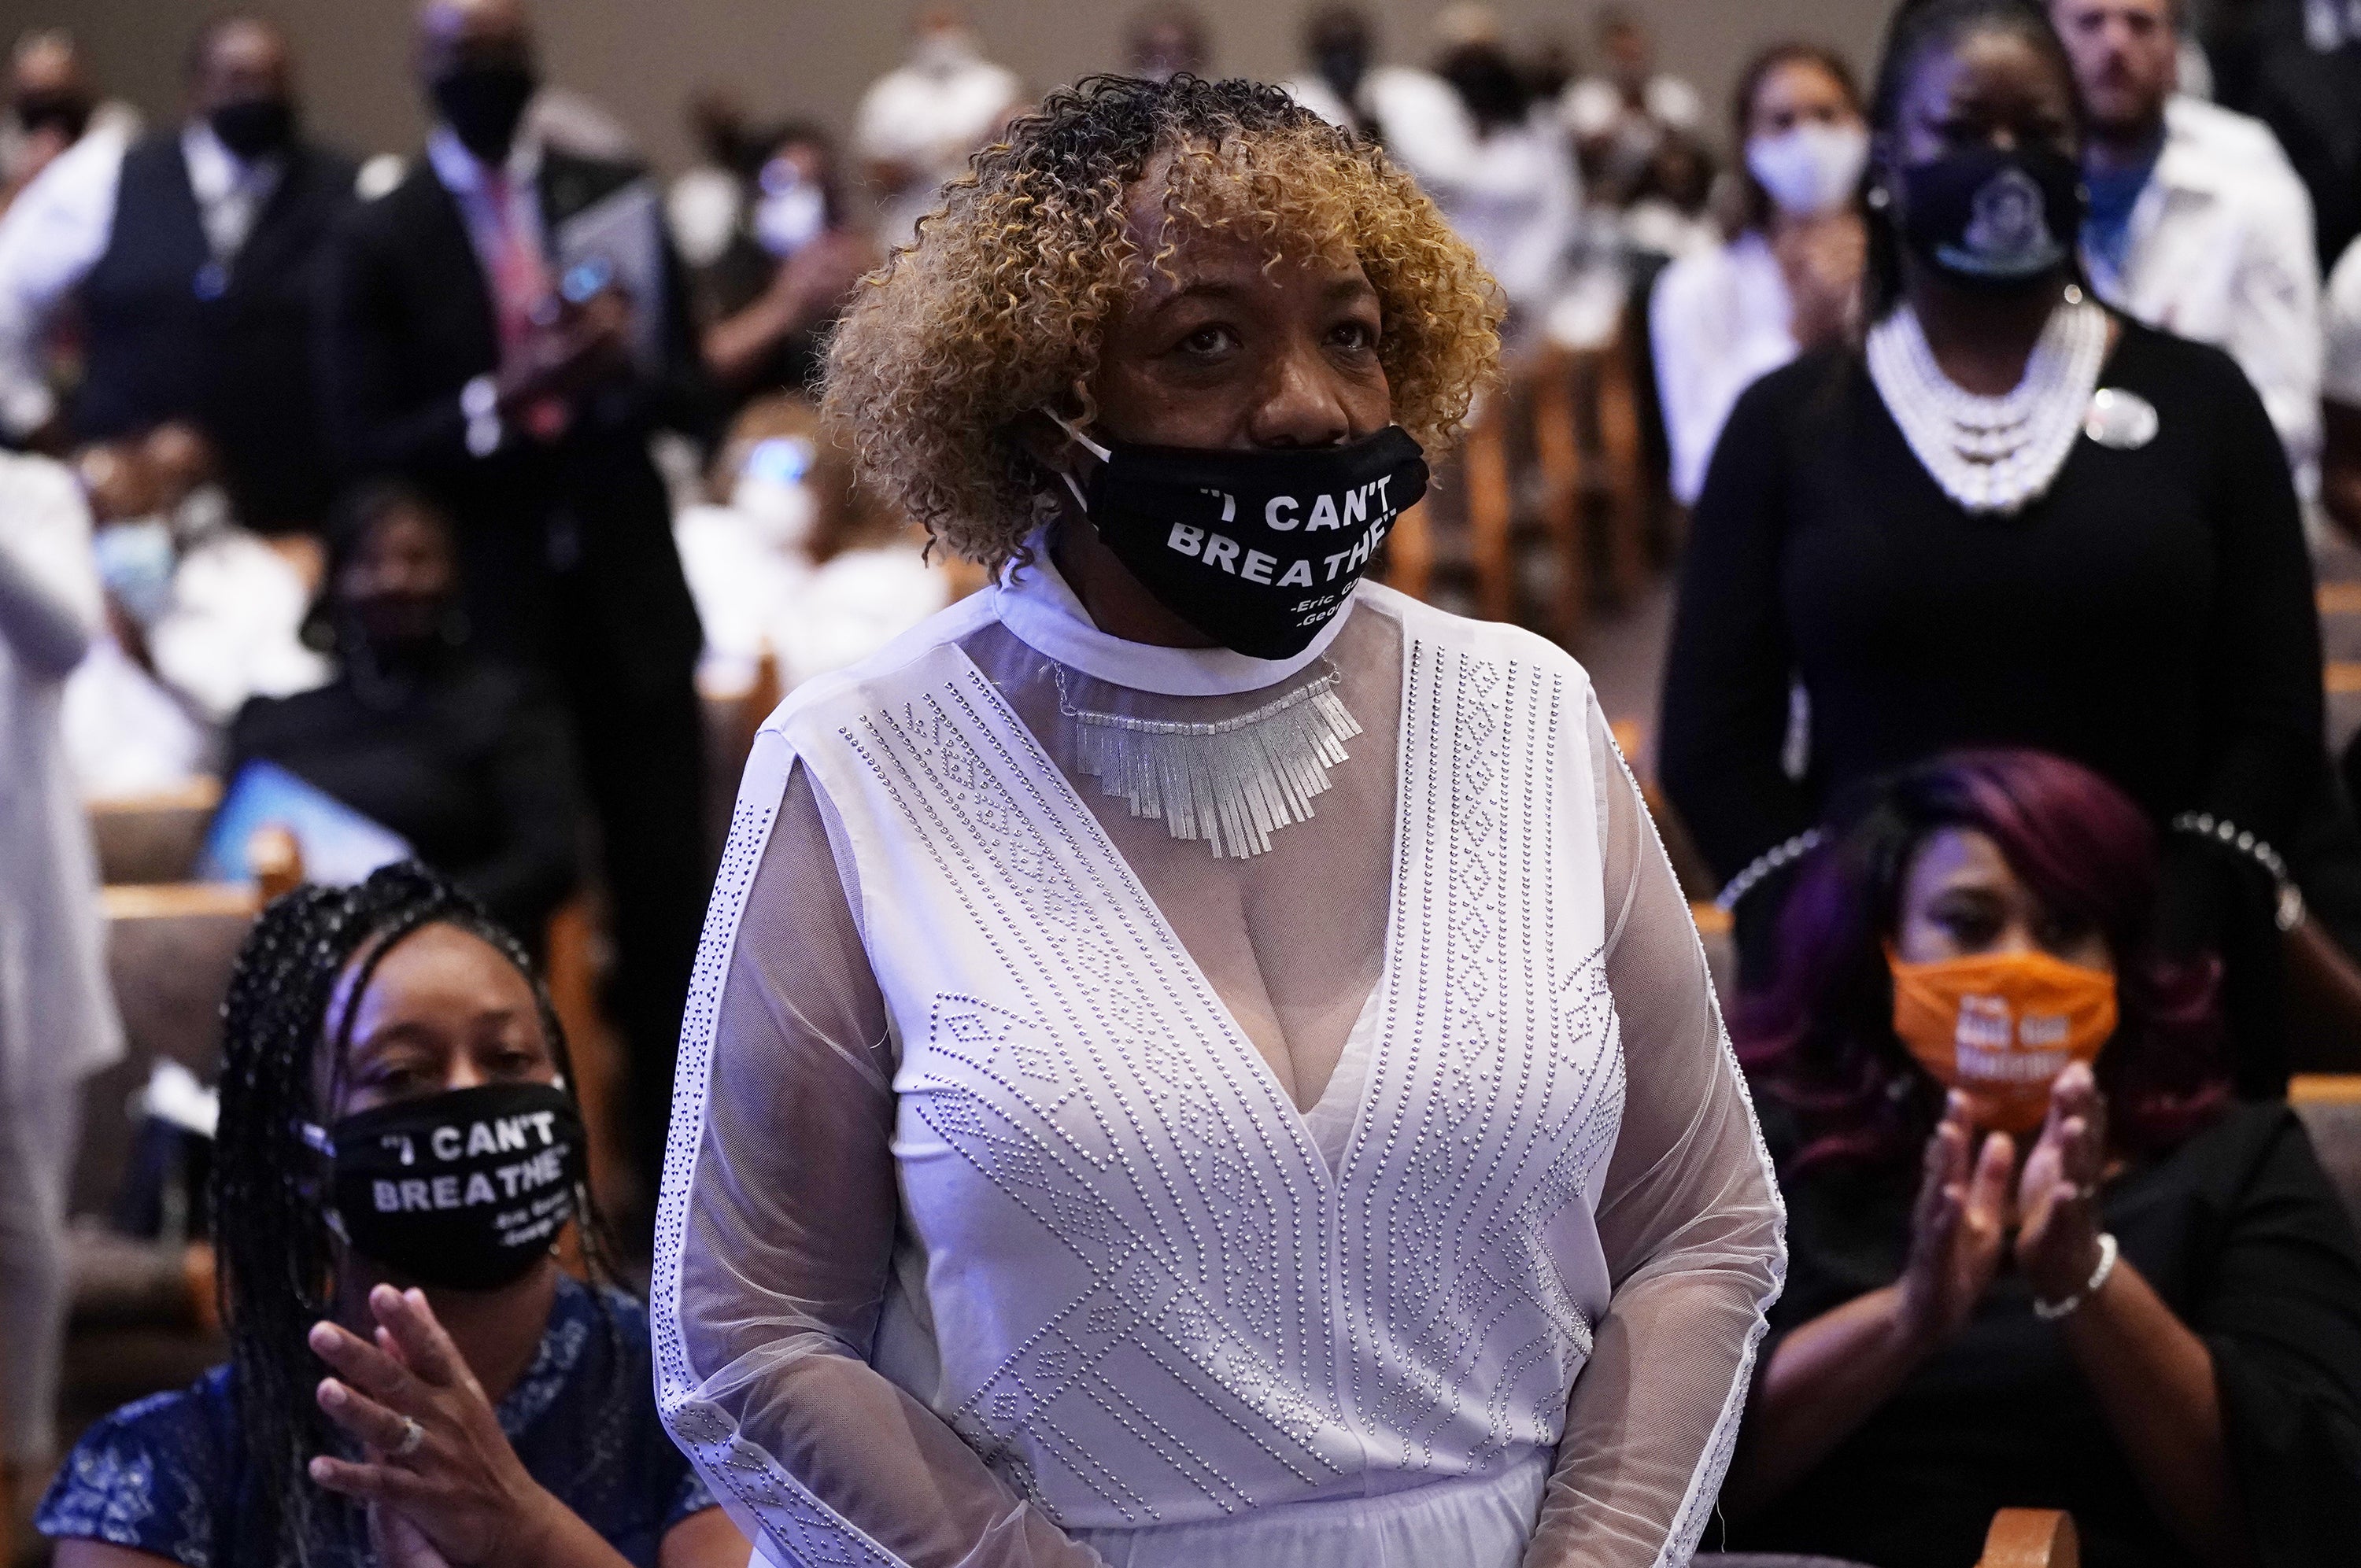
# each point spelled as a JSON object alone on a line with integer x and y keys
{"x": 1810, "y": 170}
{"x": 772, "y": 494}
{"x": 787, "y": 220}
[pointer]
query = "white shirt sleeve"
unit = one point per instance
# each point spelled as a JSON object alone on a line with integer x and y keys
{"x": 52, "y": 236}
{"x": 2275, "y": 323}
{"x": 51, "y": 604}
{"x": 2340, "y": 376}
{"x": 1692, "y": 1227}
{"x": 1718, "y": 322}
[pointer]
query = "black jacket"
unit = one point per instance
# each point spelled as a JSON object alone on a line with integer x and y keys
{"x": 567, "y": 546}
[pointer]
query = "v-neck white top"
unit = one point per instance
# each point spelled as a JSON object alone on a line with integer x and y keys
{"x": 1045, "y": 1191}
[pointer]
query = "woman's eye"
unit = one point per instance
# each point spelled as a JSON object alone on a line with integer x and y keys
{"x": 1970, "y": 927}
{"x": 1358, "y": 338}
{"x": 1208, "y": 341}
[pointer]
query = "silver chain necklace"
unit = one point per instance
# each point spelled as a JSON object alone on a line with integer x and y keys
{"x": 1231, "y": 782}
{"x": 1992, "y": 454}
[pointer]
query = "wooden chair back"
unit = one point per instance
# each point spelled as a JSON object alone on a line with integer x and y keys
{"x": 155, "y": 838}
{"x": 2330, "y": 1104}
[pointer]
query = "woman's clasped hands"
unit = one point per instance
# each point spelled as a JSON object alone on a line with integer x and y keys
{"x": 1971, "y": 1195}
{"x": 443, "y": 1487}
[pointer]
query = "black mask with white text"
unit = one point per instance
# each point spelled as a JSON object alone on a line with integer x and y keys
{"x": 1257, "y": 549}
{"x": 465, "y": 1190}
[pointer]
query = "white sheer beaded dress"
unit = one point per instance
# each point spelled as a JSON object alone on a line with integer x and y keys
{"x": 1049, "y": 1189}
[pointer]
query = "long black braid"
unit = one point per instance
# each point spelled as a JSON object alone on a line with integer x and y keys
{"x": 269, "y": 1190}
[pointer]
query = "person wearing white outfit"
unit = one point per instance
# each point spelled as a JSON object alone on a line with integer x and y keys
{"x": 57, "y": 1021}
{"x": 1197, "y": 1057}
{"x": 917, "y": 123}
{"x": 1790, "y": 278}
{"x": 2198, "y": 224}
{"x": 2340, "y": 486}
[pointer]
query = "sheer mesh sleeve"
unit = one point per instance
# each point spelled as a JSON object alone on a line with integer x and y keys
{"x": 789, "y": 1244}
{"x": 1690, "y": 1220}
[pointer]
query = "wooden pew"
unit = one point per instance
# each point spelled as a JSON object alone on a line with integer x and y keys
{"x": 156, "y": 838}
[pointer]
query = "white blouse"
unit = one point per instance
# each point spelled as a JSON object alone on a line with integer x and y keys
{"x": 1046, "y": 1190}
{"x": 1719, "y": 320}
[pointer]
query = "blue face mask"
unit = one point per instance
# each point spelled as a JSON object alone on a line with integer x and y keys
{"x": 136, "y": 561}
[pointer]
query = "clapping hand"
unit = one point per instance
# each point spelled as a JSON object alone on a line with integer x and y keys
{"x": 2057, "y": 1196}
{"x": 445, "y": 1488}
{"x": 1959, "y": 1225}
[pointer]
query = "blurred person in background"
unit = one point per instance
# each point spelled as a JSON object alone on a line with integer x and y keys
{"x": 58, "y": 1022}
{"x": 1493, "y": 159}
{"x": 794, "y": 558}
{"x": 1162, "y": 41}
{"x": 2340, "y": 489}
{"x": 1618, "y": 116}
{"x": 1670, "y": 214}
{"x": 193, "y": 261}
{"x": 768, "y": 300}
{"x": 2197, "y": 227}
{"x": 705, "y": 205}
{"x": 520, "y": 398}
{"x": 51, "y": 104}
{"x": 2296, "y": 66}
{"x": 1789, "y": 281}
{"x": 465, "y": 758}
{"x": 420, "y": 1386}
{"x": 2006, "y": 516}
{"x": 1345, "y": 85}
{"x": 2041, "y": 1256}
{"x": 917, "y": 124}
{"x": 202, "y": 615}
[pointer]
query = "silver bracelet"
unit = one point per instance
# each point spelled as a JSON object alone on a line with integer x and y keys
{"x": 1764, "y": 864}
{"x": 2230, "y": 835}
{"x": 2050, "y": 1311}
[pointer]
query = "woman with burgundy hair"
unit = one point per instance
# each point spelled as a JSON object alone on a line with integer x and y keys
{"x": 2111, "y": 1288}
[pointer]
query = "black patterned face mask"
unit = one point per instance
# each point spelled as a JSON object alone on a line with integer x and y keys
{"x": 1257, "y": 549}
{"x": 1994, "y": 217}
{"x": 465, "y": 1190}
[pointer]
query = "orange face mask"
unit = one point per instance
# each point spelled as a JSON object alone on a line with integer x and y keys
{"x": 2000, "y": 1028}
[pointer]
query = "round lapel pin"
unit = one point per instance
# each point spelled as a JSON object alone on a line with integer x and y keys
{"x": 2125, "y": 421}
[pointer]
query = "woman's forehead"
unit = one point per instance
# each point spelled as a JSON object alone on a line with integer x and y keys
{"x": 1989, "y": 66}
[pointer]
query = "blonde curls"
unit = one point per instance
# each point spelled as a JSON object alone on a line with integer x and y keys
{"x": 998, "y": 308}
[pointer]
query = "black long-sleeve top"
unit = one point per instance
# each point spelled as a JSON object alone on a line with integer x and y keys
{"x": 467, "y": 759}
{"x": 2237, "y": 1230}
{"x": 2150, "y": 616}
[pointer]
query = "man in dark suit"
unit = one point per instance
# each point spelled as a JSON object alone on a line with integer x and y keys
{"x": 193, "y": 258}
{"x": 472, "y": 343}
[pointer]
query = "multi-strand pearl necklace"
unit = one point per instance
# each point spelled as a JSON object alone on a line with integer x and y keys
{"x": 1992, "y": 454}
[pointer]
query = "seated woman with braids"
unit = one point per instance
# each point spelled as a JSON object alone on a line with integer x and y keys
{"x": 2106, "y": 1287}
{"x": 400, "y": 1147}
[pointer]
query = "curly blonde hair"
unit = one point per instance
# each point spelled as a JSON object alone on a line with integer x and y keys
{"x": 999, "y": 307}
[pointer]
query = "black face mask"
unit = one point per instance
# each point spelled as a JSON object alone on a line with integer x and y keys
{"x": 483, "y": 105}
{"x": 1994, "y": 217}
{"x": 66, "y": 112}
{"x": 252, "y": 128}
{"x": 465, "y": 1190}
{"x": 1258, "y": 550}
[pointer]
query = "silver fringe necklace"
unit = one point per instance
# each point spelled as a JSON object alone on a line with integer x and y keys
{"x": 1231, "y": 782}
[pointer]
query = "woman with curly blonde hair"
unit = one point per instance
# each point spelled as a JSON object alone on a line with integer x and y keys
{"x": 1198, "y": 1058}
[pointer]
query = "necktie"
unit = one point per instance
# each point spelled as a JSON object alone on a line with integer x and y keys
{"x": 520, "y": 285}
